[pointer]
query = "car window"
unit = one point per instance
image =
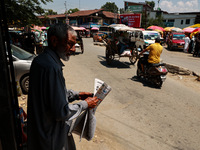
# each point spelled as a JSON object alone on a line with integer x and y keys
{"x": 151, "y": 36}
{"x": 20, "y": 53}
{"x": 178, "y": 36}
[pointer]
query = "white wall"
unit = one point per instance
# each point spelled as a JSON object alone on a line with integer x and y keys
{"x": 177, "y": 18}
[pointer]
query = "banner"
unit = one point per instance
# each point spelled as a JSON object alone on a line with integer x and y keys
{"x": 131, "y": 20}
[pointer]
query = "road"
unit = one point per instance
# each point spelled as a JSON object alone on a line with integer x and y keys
{"x": 181, "y": 59}
{"x": 135, "y": 116}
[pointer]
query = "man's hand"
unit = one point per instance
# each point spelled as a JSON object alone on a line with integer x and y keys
{"x": 84, "y": 95}
{"x": 92, "y": 101}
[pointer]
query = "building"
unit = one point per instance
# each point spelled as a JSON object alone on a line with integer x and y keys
{"x": 93, "y": 18}
{"x": 52, "y": 19}
{"x": 85, "y": 18}
{"x": 180, "y": 20}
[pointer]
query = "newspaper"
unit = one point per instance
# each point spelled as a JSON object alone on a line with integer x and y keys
{"x": 101, "y": 89}
{"x": 85, "y": 124}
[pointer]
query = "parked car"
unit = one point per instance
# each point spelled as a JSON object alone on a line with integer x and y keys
{"x": 97, "y": 37}
{"x": 145, "y": 38}
{"x": 176, "y": 41}
{"x": 22, "y": 62}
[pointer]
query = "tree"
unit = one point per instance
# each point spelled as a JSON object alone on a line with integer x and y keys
{"x": 72, "y": 10}
{"x": 158, "y": 21}
{"x": 121, "y": 10}
{"x": 50, "y": 12}
{"x": 151, "y": 3}
{"x": 23, "y": 12}
{"x": 110, "y": 7}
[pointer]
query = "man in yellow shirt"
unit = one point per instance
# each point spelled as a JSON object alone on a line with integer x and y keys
{"x": 155, "y": 51}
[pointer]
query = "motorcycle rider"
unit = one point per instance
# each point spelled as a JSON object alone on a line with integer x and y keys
{"x": 155, "y": 51}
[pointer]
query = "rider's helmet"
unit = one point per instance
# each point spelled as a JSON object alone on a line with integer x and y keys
{"x": 157, "y": 40}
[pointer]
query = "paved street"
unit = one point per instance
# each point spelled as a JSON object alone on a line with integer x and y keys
{"x": 135, "y": 116}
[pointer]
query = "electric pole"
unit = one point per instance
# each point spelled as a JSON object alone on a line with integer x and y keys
{"x": 67, "y": 20}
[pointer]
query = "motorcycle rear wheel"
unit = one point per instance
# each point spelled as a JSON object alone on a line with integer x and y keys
{"x": 139, "y": 71}
{"x": 158, "y": 82}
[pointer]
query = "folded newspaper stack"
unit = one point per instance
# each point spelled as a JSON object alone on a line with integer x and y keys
{"x": 85, "y": 124}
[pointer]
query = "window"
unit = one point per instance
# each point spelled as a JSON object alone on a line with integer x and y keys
{"x": 187, "y": 21}
{"x": 181, "y": 21}
{"x": 171, "y": 20}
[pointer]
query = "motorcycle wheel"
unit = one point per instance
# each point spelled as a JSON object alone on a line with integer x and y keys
{"x": 138, "y": 72}
{"x": 158, "y": 82}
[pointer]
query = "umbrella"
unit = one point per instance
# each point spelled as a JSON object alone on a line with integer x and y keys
{"x": 195, "y": 26}
{"x": 177, "y": 30}
{"x": 155, "y": 27}
{"x": 77, "y": 28}
{"x": 197, "y": 30}
{"x": 168, "y": 28}
{"x": 158, "y": 30}
{"x": 82, "y": 28}
{"x": 94, "y": 28}
{"x": 43, "y": 27}
{"x": 36, "y": 28}
{"x": 188, "y": 29}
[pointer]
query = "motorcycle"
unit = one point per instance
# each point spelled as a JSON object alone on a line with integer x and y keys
{"x": 155, "y": 73}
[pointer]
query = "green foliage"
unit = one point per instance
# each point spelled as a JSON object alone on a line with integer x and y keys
{"x": 50, "y": 12}
{"x": 23, "y": 12}
{"x": 158, "y": 21}
{"x": 72, "y": 10}
{"x": 110, "y": 7}
{"x": 151, "y": 3}
{"x": 144, "y": 20}
{"x": 121, "y": 10}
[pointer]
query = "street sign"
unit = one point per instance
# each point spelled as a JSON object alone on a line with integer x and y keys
{"x": 135, "y": 8}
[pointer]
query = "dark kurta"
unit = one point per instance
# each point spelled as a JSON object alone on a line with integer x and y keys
{"x": 49, "y": 111}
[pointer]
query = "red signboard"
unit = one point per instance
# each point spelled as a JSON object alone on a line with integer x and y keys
{"x": 131, "y": 20}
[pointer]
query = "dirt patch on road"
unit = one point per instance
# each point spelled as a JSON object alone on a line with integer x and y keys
{"x": 188, "y": 80}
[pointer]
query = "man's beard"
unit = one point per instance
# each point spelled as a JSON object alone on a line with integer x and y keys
{"x": 63, "y": 56}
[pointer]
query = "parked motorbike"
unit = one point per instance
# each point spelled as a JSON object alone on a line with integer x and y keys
{"x": 155, "y": 73}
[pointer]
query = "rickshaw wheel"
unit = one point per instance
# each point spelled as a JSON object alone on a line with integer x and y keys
{"x": 134, "y": 57}
{"x": 109, "y": 56}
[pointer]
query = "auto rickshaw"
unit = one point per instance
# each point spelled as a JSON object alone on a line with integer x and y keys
{"x": 113, "y": 48}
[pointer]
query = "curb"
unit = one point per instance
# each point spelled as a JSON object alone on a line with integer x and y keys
{"x": 181, "y": 71}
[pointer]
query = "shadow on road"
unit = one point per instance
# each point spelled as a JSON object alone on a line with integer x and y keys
{"x": 144, "y": 82}
{"x": 114, "y": 64}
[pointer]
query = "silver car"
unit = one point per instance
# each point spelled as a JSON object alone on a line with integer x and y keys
{"x": 22, "y": 62}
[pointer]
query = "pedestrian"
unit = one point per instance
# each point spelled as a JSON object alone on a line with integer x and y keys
{"x": 197, "y": 45}
{"x": 187, "y": 41}
{"x": 191, "y": 45}
{"x": 50, "y": 111}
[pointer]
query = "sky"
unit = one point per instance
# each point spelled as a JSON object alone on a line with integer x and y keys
{"x": 170, "y": 6}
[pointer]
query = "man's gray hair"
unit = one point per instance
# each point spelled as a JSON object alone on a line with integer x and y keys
{"x": 60, "y": 31}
